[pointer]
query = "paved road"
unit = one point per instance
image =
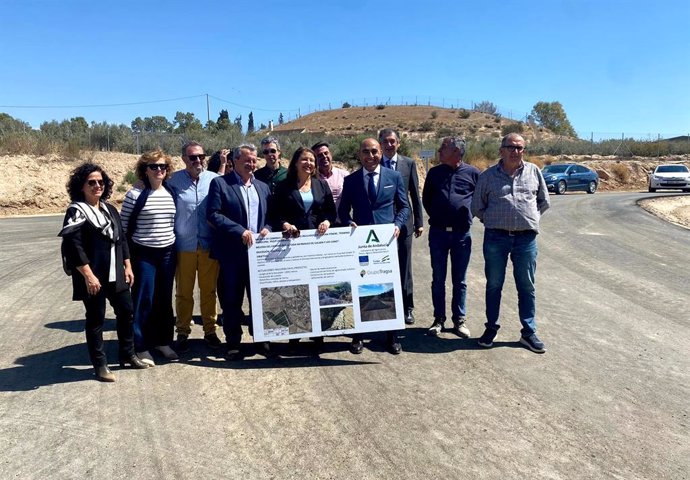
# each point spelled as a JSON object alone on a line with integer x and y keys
{"x": 609, "y": 399}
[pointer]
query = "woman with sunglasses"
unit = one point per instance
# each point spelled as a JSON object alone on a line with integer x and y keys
{"x": 148, "y": 218}
{"x": 302, "y": 202}
{"x": 96, "y": 255}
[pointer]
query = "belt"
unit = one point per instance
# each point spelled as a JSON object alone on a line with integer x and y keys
{"x": 511, "y": 233}
{"x": 449, "y": 229}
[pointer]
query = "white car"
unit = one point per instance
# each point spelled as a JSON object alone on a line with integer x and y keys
{"x": 673, "y": 177}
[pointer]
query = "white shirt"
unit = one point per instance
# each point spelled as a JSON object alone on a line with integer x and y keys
{"x": 376, "y": 177}
{"x": 393, "y": 162}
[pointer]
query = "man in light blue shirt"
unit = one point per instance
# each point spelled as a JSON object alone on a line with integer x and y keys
{"x": 193, "y": 236}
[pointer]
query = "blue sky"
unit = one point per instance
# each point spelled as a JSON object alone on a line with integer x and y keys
{"x": 616, "y": 66}
{"x": 374, "y": 289}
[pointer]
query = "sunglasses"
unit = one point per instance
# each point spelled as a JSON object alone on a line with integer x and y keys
{"x": 93, "y": 183}
{"x": 194, "y": 158}
{"x": 157, "y": 166}
{"x": 514, "y": 148}
{"x": 270, "y": 150}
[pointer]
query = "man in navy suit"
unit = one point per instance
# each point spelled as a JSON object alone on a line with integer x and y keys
{"x": 390, "y": 142}
{"x": 237, "y": 205}
{"x": 373, "y": 195}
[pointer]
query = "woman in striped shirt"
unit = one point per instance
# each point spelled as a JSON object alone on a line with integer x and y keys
{"x": 148, "y": 218}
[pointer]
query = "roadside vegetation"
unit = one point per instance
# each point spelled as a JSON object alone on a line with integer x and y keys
{"x": 547, "y": 128}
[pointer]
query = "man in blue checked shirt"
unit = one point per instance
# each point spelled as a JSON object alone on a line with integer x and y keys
{"x": 509, "y": 199}
{"x": 193, "y": 236}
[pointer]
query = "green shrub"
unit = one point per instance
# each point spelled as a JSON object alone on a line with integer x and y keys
{"x": 517, "y": 127}
{"x": 434, "y": 114}
{"x": 426, "y": 126}
{"x": 464, "y": 114}
{"x": 380, "y": 106}
{"x": 130, "y": 178}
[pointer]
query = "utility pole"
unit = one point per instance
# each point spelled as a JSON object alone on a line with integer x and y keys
{"x": 208, "y": 110}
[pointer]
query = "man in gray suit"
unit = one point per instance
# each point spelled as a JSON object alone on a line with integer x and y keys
{"x": 390, "y": 143}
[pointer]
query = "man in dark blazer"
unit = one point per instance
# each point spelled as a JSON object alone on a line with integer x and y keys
{"x": 390, "y": 142}
{"x": 237, "y": 206}
{"x": 373, "y": 195}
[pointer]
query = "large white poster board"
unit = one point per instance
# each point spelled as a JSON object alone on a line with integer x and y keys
{"x": 346, "y": 281}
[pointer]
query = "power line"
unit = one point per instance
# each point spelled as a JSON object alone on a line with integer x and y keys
{"x": 103, "y": 105}
{"x": 254, "y": 108}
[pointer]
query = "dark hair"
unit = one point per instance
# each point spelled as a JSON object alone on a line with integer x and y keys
{"x": 77, "y": 179}
{"x": 292, "y": 168}
{"x": 214, "y": 162}
{"x": 386, "y": 132}
{"x": 318, "y": 145}
{"x": 191, "y": 143}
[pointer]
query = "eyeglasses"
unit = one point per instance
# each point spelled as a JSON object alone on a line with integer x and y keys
{"x": 514, "y": 148}
{"x": 194, "y": 158}
{"x": 270, "y": 150}
{"x": 93, "y": 183}
{"x": 157, "y": 166}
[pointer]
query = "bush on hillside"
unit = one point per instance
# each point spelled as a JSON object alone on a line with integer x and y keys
{"x": 517, "y": 127}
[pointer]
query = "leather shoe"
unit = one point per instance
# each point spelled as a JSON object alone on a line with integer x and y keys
{"x": 356, "y": 347}
{"x": 409, "y": 318}
{"x": 103, "y": 374}
{"x": 234, "y": 355}
{"x": 134, "y": 362}
{"x": 394, "y": 348}
{"x": 264, "y": 349}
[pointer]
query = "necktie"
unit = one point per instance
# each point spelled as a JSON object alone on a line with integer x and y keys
{"x": 371, "y": 189}
{"x": 392, "y": 164}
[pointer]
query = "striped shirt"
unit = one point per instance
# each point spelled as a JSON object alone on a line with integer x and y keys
{"x": 510, "y": 203}
{"x": 156, "y": 222}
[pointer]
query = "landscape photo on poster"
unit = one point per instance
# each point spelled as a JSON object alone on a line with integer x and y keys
{"x": 335, "y": 306}
{"x": 287, "y": 309}
{"x": 376, "y": 302}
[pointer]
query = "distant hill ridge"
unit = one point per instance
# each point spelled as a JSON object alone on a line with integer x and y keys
{"x": 415, "y": 121}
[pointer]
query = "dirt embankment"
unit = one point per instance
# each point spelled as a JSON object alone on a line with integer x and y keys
{"x": 36, "y": 185}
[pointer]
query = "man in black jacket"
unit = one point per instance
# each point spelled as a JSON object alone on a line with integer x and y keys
{"x": 447, "y": 198}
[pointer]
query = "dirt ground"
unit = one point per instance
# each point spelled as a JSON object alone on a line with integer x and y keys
{"x": 35, "y": 185}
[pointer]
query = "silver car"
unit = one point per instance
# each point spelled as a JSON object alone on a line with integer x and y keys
{"x": 672, "y": 177}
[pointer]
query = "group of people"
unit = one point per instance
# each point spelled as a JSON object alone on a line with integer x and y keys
{"x": 194, "y": 226}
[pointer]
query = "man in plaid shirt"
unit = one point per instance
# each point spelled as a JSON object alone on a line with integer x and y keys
{"x": 509, "y": 200}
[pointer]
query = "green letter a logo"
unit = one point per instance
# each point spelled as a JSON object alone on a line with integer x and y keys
{"x": 372, "y": 237}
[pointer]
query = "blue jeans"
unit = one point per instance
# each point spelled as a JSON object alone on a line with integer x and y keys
{"x": 522, "y": 249}
{"x": 459, "y": 246}
{"x": 154, "y": 273}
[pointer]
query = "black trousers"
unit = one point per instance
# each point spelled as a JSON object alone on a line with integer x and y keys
{"x": 95, "y": 317}
{"x": 233, "y": 284}
{"x": 405, "y": 263}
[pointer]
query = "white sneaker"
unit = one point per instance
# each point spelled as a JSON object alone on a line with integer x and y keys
{"x": 146, "y": 357}
{"x": 460, "y": 329}
{"x": 167, "y": 352}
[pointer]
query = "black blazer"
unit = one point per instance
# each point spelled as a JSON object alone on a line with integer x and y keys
{"x": 87, "y": 245}
{"x": 287, "y": 206}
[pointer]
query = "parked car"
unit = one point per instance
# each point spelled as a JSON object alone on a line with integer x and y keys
{"x": 563, "y": 177}
{"x": 673, "y": 177}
